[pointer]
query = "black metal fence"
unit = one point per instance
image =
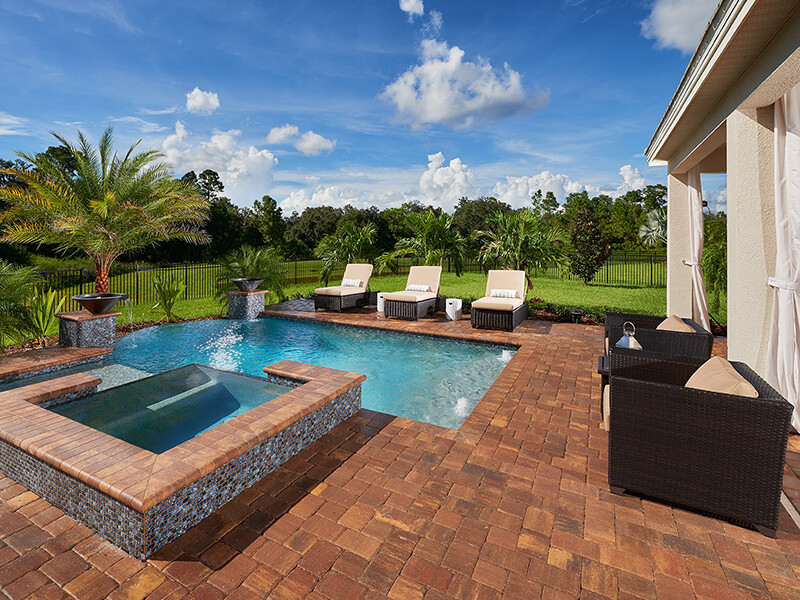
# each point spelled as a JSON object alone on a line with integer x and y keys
{"x": 202, "y": 280}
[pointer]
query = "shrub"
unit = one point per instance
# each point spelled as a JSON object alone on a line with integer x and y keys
{"x": 167, "y": 294}
{"x": 42, "y": 311}
{"x": 590, "y": 247}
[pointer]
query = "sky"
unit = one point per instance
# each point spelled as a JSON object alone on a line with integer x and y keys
{"x": 371, "y": 102}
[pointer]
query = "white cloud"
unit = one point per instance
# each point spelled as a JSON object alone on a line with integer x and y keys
{"x": 443, "y": 185}
{"x": 339, "y": 196}
{"x": 11, "y": 125}
{"x": 245, "y": 170}
{"x": 312, "y": 144}
{"x": 678, "y": 24}
{"x": 413, "y": 8}
{"x": 201, "y": 103}
{"x": 109, "y": 10}
{"x": 144, "y": 126}
{"x": 160, "y": 111}
{"x": 517, "y": 191}
{"x": 444, "y": 88}
{"x": 631, "y": 180}
{"x": 434, "y": 24}
{"x": 281, "y": 135}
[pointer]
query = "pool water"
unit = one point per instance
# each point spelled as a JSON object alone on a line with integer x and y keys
{"x": 159, "y": 412}
{"x": 434, "y": 380}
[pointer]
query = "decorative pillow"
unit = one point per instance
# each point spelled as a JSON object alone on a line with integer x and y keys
{"x": 675, "y": 323}
{"x": 718, "y": 375}
{"x": 503, "y": 293}
{"x": 351, "y": 283}
{"x": 418, "y": 287}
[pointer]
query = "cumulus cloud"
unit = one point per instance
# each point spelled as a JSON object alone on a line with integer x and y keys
{"x": 442, "y": 185}
{"x": 312, "y": 144}
{"x": 434, "y": 24}
{"x": 281, "y": 135}
{"x": 144, "y": 126}
{"x": 517, "y": 191}
{"x": 201, "y": 103}
{"x": 245, "y": 170}
{"x": 413, "y": 8}
{"x": 444, "y": 88}
{"x": 340, "y": 196}
{"x": 11, "y": 125}
{"x": 678, "y": 23}
{"x": 631, "y": 180}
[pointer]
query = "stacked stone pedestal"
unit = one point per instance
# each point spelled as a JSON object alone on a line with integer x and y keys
{"x": 82, "y": 329}
{"x": 246, "y": 305}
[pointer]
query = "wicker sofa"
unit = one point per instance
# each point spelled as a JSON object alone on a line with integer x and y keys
{"x": 495, "y": 312}
{"x": 697, "y": 344}
{"x": 416, "y": 303}
{"x": 711, "y": 452}
{"x": 340, "y": 297}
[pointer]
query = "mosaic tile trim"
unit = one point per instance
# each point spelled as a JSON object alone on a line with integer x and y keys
{"x": 241, "y": 306}
{"x": 64, "y": 398}
{"x": 94, "y": 333}
{"x": 141, "y": 534}
{"x": 287, "y": 381}
{"x": 53, "y": 369}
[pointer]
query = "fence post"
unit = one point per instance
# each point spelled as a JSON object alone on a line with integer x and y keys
{"x": 137, "y": 283}
{"x": 295, "y": 271}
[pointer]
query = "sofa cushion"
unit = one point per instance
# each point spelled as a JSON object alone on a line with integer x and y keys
{"x": 339, "y": 290}
{"x": 498, "y": 303}
{"x": 718, "y": 375}
{"x": 409, "y": 296}
{"x": 607, "y": 407}
{"x": 675, "y": 323}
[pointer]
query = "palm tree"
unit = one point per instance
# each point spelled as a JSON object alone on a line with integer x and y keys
{"x": 654, "y": 231}
{"x": 16, "y": 290}
{"x": 520, "y": 240}
{"x": 349, "y": 244}
{"x": 434, "y": 241}
{"x": 253, "y": 263}
{"x": 111, "y": 205}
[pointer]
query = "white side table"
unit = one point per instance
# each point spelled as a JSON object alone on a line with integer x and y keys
{"x": 380, "y": 302}
{"x": 453, "y": 309}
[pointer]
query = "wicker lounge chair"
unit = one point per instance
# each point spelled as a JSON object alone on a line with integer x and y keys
{"x": 713, "y": 452}
{"x": 496, "y": 310}
{"x": 339, "y": 297}
{"x": 416, "y": 303}
{"x": 697, "y": 344}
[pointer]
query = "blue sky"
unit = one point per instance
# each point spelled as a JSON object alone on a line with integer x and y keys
{"x": 369, "y": 102}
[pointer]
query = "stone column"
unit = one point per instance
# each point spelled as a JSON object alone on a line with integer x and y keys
{"x": 679, "y": 276}
{"x": 245, "y": 305}
{"x": 751, "y": 233}
{"x": 82, "y": 329}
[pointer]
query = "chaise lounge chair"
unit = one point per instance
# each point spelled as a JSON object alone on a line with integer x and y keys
{"x": 504, "y": 306}
{"x": 420, "y": 297}
{"x": 353, "y": 291}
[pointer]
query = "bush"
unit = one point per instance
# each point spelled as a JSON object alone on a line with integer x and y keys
{"x": 590, "y": 247}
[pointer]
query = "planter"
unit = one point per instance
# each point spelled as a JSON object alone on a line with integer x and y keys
{"x": 100, "y": 303}
{"x": 247, "y": 284}
{"x": 576, "y": 314}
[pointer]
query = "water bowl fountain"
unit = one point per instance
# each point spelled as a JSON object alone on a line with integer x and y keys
{"x": 246, "y": 284}
{"x": 99, "y": 303}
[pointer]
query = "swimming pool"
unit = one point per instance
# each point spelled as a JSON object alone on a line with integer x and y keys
{"x": 434, "y": 380}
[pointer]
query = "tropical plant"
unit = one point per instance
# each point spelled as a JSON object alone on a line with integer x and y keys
{"x": 253, "y": 263}
{"x": 590, "y": 246}
{"x": 16, "y": 289}
{"x": 111, "y": 205}
{"x": 42, "y": 314}
{"x": 167, "y": 295}
{"x": 349, "y": 244}
{"x": 520, "y": 240}
{"x": 434, "y": 241}
{"x": 654, "y": 231}
{"x": 715, "y": 259}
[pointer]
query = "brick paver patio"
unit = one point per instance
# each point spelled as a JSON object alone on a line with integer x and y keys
{"x": 514, "y": 504}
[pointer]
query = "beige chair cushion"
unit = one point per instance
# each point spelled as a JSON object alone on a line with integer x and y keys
{"x": 506, "y": 280}
{"x": 498, "y": 303}
{"x": 607, "y": 407}
{"x": 360, "y": 271}
{"x": 675, "y": 323}
{"x": 339, "y": 290}
{"x": 718, "y": 375}
{"x": 429, "y": 276}
{"x": 409, "y": 296}
{"x": 606, "y": 344}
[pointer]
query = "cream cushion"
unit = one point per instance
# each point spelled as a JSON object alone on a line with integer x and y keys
{"x": 429, "y": 276}
{"x": 675, "y": 323}
{"x": 409, "y": 296}
{"x": 607, "y": 407}
{"x": 360, "y": 271}
{"x": 506, "y": 280}
{"x": 339, "y": 290}
{"x": 718, "y": 375}
{"x": 412, "y": 287}
{"x": 606, "y": 344}
{"x": 498, "y": 303}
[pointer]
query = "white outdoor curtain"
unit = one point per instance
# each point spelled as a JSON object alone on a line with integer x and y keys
{"x": 783, "y": 360}
{"x": 699, "y": 298}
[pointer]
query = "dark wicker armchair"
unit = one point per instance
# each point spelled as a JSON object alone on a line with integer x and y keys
{"x": 696, "y": 344}
{"x": 706, "y": 451}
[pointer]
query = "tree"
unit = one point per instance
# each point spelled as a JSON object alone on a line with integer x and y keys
{"x": 351, "y": 243}
{"x": 225, "y": 226}
{"x": 397, "y": 219}
{"x": 599, "y": 206}
{"x": 472, "y": 216}
{"x": 590, "y": 246}
{"x": 306, "y": 231}
{"x": 16, "y": 289}
{"x": 654, "y": 231}
{"x": 208, "y": 182}
{"x": 112, "y": 205}
{"x": 715, "y": 258}
{"x": 267, "y": 218}
{"x": 627, "y": 216}
{"x": 434, "y": 240}
{"x": 521, "y": 241}
{"x": 546, "y": 206}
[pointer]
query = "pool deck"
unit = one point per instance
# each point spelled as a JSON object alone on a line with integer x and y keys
{"x": 514, "y": 504}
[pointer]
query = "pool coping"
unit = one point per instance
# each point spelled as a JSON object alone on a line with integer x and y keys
{"x": 141, "y": 479}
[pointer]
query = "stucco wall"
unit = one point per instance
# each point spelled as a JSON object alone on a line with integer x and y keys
{"x": 679, "y": 276}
